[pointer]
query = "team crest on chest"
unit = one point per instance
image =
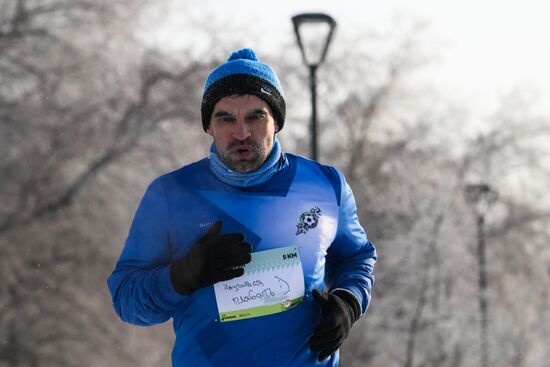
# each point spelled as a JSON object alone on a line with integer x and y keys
{"x": 308, "y": 220}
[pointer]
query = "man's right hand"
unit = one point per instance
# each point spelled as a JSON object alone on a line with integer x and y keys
{"x": 212, "y": 259}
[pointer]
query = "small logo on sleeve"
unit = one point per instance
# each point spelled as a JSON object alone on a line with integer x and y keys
{"x": 308, "y": 220}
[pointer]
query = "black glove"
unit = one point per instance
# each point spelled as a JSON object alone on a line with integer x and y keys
{"x": 210, "y": 260}
{"x": 339, "y": 310}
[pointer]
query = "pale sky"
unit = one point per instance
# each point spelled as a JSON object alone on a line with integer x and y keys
{"x": 486, "y": 47}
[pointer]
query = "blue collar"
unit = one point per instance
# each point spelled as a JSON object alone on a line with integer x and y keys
{"x": 271, "y": 166}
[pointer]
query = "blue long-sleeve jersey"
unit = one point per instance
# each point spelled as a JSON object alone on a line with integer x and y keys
{"x": 177, "y": 210}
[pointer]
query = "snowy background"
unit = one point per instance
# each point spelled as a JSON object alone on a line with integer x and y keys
{"x": 416, "y": 101}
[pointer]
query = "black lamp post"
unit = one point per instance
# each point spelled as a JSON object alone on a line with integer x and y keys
{"x": 313, "y": 33}
{"x": 479, "y": 197}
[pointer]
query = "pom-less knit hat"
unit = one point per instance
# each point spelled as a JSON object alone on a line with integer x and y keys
{"x": 243, "y": 74}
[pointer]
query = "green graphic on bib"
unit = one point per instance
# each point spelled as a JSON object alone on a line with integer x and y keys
{"x": 272, "y": 282}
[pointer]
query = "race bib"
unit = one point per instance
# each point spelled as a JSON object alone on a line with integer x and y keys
{"x": 272, "y": 282}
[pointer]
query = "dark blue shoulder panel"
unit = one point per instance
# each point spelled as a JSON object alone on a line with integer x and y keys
{"x": 334, "y": 179}
{"x": 330, "y": 172}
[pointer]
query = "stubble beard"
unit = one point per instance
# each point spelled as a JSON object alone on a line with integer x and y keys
{"x": 244, "y": 165}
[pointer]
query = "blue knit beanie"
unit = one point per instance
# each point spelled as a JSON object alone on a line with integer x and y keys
{"x": 243, "y": 74}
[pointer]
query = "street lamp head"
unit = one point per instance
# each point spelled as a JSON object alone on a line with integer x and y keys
{"x": 479, "y": 197}
{"x": 313, "y": 33}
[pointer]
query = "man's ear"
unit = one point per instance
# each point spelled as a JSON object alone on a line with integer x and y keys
{"x": 209, "y": 130}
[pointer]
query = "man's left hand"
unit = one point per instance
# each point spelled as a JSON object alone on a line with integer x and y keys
{"x": 338, "y": 313}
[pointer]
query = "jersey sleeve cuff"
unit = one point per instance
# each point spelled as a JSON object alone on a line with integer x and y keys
{"x": 353, "y": 296}
{"x": 167, "y": 296}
